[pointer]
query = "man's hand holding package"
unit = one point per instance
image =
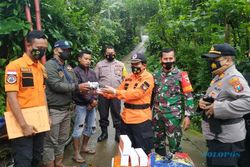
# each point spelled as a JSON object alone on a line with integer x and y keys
{"x": 84, "y": 87}
{"x": 28, "y": 130}
{"x": 108, "y": 90}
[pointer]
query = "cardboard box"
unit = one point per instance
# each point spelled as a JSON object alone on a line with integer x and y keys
{"x": 124, "y": 158}
{"x": 133, "y": 157}
{"x": 143, "y": 158}
{"x": 36, "y": 116}
{"x": 125, "y": 144}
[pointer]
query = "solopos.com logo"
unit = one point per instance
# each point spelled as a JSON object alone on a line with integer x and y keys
{"x": 221, "y": 154}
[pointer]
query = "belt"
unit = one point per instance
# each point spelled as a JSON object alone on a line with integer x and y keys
{"x": 227, "y": 121}
{"x": 136, "y": 106}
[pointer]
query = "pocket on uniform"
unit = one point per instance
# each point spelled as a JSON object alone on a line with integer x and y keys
{"x": 27, "y": 79}
{"x": 118, "y": 71}
{"x": 27, "y": 82}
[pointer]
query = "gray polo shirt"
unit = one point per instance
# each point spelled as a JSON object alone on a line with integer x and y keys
{"x": 110, "y": 73}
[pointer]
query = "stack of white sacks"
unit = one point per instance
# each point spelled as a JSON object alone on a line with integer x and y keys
{"x": 131, "y": 156}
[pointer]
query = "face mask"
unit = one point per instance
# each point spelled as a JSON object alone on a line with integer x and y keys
{"x": 64, "y": 55}
{"x": 38, "y": 53}
{"x": 167, "y": 65}
{"x": 217, "y": 68}
{"x": 110, "y": 57}
{"x": 135, "y": 70}
{"x": 214, "y": 65}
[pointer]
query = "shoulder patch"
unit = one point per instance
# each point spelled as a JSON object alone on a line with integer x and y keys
{"x": 235, "y": 82}
{"x": 61, "y": 74}
{"x": 185, "y": 83}
{"x": 11, "y": 78}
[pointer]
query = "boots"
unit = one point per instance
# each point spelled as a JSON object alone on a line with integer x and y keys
{"x": 117, "y": 134}
{"x": 58, "y": 161}
{"x": 161, "y": 151}
{"x": 104, "y": 134}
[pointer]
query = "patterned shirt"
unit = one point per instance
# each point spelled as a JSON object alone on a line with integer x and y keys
{"x": 169, "y": 99}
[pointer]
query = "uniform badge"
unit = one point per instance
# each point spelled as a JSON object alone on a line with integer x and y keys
{"x": 11, "y": 77}
{"x": 145, "y": 86}
{"x": 69, "y": 68}
{"x": 24, "y": 69}
{"x": 235, "y": 82}
{"x": 61, "y": 74}
{"x": 117, "y": 72}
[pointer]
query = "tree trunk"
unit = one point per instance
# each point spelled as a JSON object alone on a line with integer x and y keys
{"x": 227, "y": 32}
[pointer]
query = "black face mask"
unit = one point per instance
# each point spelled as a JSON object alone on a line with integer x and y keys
{"x": 110, "y": 57}
{"x": 64, "y": 55}
{"x": 167, "y": 65}
{"x": 38, "y": 53}
{"x": 135, "y": 70}
{"x": 214, "y": 65}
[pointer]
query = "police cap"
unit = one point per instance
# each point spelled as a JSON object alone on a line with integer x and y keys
{"x": 138, "y": 57}
{"x": 219, "y": 50}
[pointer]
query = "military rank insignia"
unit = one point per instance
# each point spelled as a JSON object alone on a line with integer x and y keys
{"x": 11, "y": 77}
{"x": 145, "y": 86}
{"x": 235, "y": 82}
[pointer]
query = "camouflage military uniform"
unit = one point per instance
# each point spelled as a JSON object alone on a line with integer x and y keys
{"x": 168, "y": 109}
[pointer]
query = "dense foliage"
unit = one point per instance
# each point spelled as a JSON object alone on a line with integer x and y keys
{"x": 191, "y": 27}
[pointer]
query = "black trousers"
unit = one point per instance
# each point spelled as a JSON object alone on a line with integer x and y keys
{"x": 244, "y": 157}
{"x": 141, "y": 135}
{"x": 224, "y": 154}
{"x": 104, "y": 105}
{"x": 28, "y": 150}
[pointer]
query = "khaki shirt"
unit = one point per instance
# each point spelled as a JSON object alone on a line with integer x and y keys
{"x": 110, "y": 73}
{"x": 232, "y": 100}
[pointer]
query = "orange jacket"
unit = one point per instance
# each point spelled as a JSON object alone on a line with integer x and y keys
{"x": 136, "y": 92}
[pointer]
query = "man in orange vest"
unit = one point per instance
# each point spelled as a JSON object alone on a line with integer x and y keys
{"x": 136, "y": 92}
{"x": 25, "y": 88}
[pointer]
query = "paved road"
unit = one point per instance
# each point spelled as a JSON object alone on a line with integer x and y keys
{"x": 193, "y": 142}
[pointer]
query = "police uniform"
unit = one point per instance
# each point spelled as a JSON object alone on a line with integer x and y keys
{"x": 27, "y": 79}
{"x": 111, "y": 74}
{"x": 172, "y": 101}
{"x": 60, "y": 84}
{"x": 225, "y": 132}
{"x": 136, "y": 92}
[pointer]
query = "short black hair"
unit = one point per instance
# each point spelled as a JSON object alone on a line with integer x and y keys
{"x": 84, "y": 52}
{"x": 35, "y": 34}
{"x": 166, "y": 50}
{"x": 109, "y": 47}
